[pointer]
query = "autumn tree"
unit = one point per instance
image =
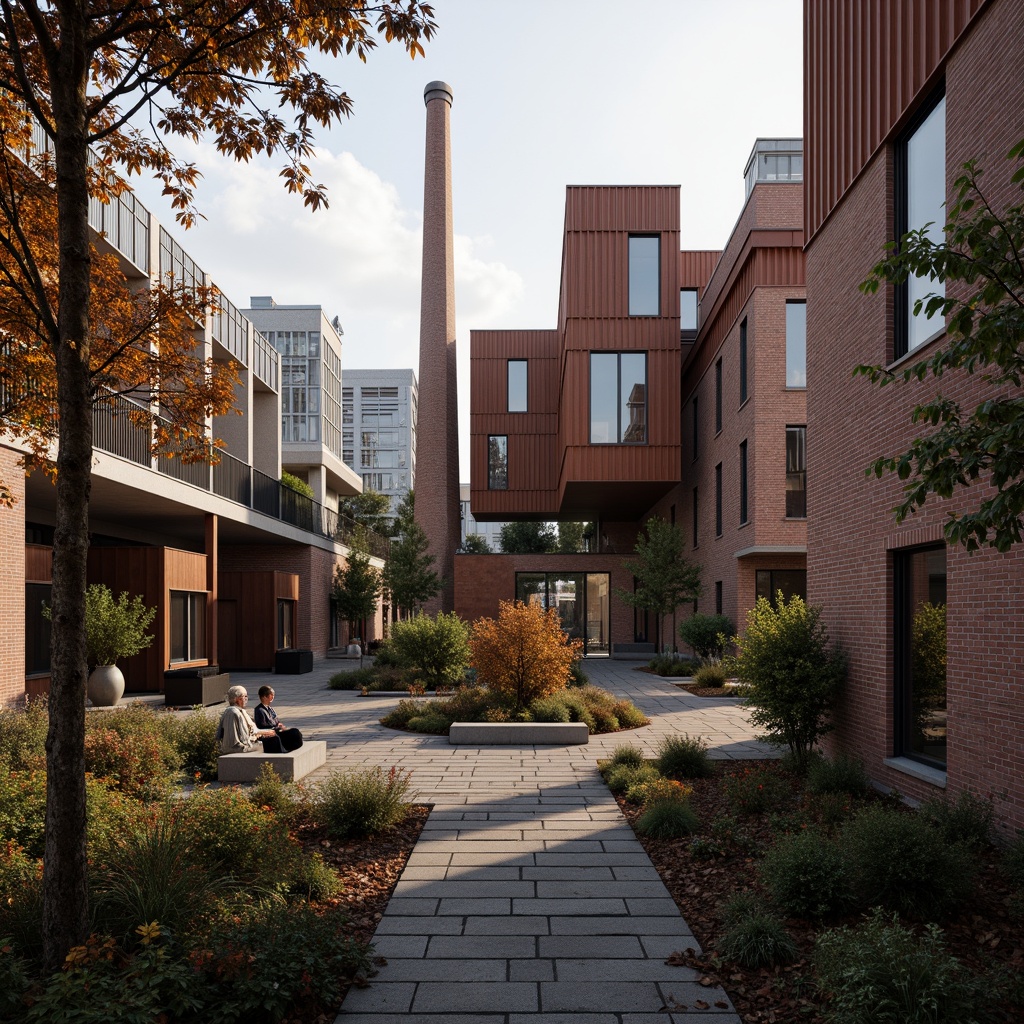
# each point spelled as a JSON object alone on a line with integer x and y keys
{"x": 409, "y": 575}
{"x": 664, "y": 577}
{"x": 110, "y": 86}
{"x": 978, "y": 267}
{"x": 524, "y": 653}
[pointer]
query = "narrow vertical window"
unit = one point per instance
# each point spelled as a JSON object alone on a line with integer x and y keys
{"x": 743, "y": 361}
{"x": 796, "y": 344}
{"x": 688, "y": 309}
{"x": 718, "y": 597}
{"x": 718, "y": 397}
{"x": 497, "y": 462}
{"x": 718, "y": 500}
{"x": 696, "y": 429}
{"x": 517, "y": 381}
{"x": 919, "y": 652}
{"x": 743, "y": 481}
{"x": 696, "y": 516}
{"x": 921, "y": 197}
{"x": 796, "y": 472}
{"x": 644, "y": 275}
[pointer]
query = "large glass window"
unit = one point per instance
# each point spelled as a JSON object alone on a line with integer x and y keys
{"x": 921, "y": 197}
{"x": 743, "y": 482}
{"x": 517, "y": 385}
{"x": 582, "y": 601}
{"x": 743, "y": 362}
{"x": 768, "y": 583}
{"x": 796, "y": 472}
{"x": 688, "y": 309}
{"x": 188, "y": 626}
{"x": 644, "y": 275}
{"x": 796, "y": 344}
{"x": 920, "y": 655}
{"x": 618, "y": 397}
{"x": 497, "y": 462}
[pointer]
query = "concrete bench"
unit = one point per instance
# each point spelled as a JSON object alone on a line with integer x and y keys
{"x": 290, "y": 766}
{"x": 518, "y": 734}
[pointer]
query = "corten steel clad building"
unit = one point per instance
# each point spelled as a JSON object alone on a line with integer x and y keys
{"x": 898, "y": 98}
{"x": 663, "y": 390}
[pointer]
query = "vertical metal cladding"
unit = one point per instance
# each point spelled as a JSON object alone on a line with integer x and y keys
{"x": 867, "y": 65}
{"x": 437, "y": 476}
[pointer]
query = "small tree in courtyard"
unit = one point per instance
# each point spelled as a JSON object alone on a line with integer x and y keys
{"x": 356, "y": 589}
{"x": 438, "y": 646}
{"x": 793, "y": 673}
{"x": 524, "y": 653}
{"x": 409, "y": 574}
{"x": 707, "y": 635}
{"x": 664, "y": 578}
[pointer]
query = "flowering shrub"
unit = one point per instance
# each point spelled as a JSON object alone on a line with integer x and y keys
{"x": 359, "y": 803}
{"x": 523, "y": 654}
{"x": 754, "y": 791}
{"x": 656, "y": 790}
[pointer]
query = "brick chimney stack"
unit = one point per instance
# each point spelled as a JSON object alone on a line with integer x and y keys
{"x": 437, "y": 434}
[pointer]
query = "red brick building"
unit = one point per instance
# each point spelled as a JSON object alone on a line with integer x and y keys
{"x": 662, "y": 391}
{"x": 898, "y": 98}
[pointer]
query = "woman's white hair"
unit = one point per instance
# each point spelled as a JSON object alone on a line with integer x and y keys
{"x": 234, "y": 692}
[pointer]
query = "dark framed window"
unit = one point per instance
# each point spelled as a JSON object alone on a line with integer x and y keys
{"x": 188, "y": 626}
{"x": 696, "y": 516}
{"x": 37, "y": 628}
{"x": 618, "y": 397}
{"x": 796, "y": 344}
{"x": 517, "y": 385}
{"x": 497, "y": 462}
{"x": 919, "y": 648}
{"x": 644, "y": 275}
{"x": 791, "y": 582}
{"x": 696, "y": 429}
{"x": 718, "y": 597}
{"x": 920, "y": 201}
{"x": 796, "y": 472}
{"x": 743, "y": 481}
{"x": 743, "y": 361}
{"x": 582, "y": 600}
{"x": 718, "y": 500}
{"x": 718, "y": 397}
{"x": 688, "y": 310}
{"x": 285, "y": 624}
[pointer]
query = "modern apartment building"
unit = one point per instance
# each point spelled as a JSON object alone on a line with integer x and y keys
{"x": 237, "y": 566}
{"x": 899, "y": 97}
{"x": 663, "y": 390}
{"x": 378, "y": 409}
{"x": 311, "y": 400}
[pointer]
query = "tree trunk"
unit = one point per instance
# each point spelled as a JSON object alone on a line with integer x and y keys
{"x": 65, "y": 893}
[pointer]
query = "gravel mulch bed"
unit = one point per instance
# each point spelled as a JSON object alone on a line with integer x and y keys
{"x": 987, "y": 934}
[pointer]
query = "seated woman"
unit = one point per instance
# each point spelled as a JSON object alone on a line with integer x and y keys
{"x": 237, "y": 732}
{"x": 266, "y": 718}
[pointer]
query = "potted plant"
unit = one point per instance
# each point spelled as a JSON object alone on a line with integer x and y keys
{"x": 113, "y": 629}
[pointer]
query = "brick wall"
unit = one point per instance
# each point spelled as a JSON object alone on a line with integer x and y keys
{"x": 852, "y": 533}
{"x": 12, "y": 581}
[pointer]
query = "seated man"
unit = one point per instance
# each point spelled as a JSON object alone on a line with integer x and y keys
{"x": 266, "y": 718}
{"x": 237, "y": 732}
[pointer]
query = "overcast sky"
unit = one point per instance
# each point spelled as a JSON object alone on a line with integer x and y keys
{"x": 547, "y": 94}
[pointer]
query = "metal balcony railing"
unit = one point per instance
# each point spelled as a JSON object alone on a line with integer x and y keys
{"x": 266, "y": 362}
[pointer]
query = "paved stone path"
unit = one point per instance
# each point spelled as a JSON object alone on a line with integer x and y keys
{"x": 527, "y": 899}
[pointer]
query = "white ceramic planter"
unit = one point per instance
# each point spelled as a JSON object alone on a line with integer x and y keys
{"x": 105, "y": 686}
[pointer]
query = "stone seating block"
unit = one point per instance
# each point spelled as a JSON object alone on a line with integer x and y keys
{"x": 518, "y": 734}
{"x": 291, "y": 766}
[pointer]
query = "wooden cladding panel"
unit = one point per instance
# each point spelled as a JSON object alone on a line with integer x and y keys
{"x": 247, "y": 619}
{"x": 622, "y": 208}
{"x": 867, "y": 65}
{"x": 38, "y": 563}
{"x": 489, "y": 355}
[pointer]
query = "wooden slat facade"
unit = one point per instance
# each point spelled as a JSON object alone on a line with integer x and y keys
{"x": 868, "y": 66}
{"x": 247, "y": 617}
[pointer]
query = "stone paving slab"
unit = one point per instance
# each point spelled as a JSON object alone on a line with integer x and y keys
{"x": 527, "y": 899}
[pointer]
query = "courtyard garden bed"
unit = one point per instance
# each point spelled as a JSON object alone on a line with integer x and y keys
{"x": 778, "y": 874}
